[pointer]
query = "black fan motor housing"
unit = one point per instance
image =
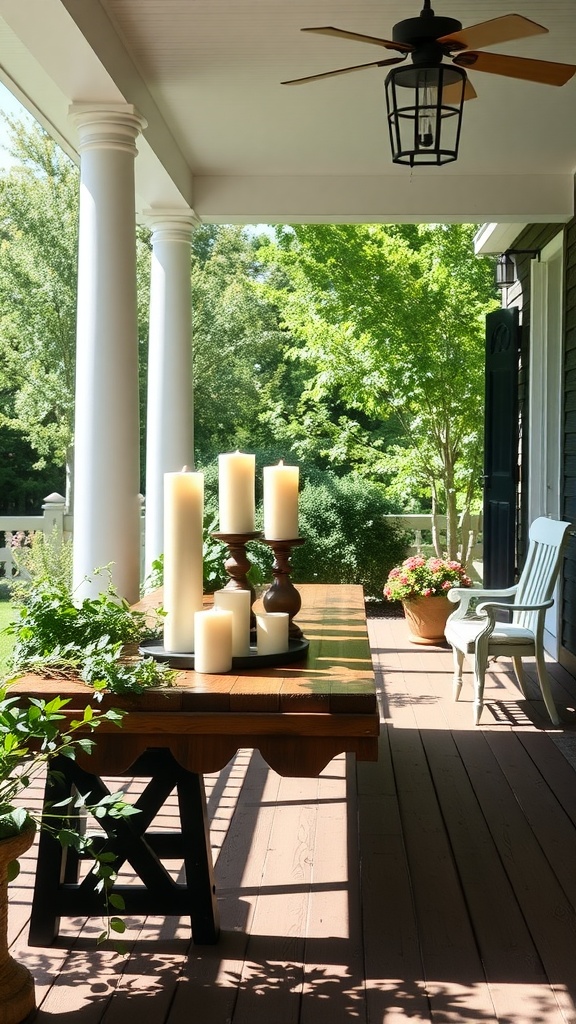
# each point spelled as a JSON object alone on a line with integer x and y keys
{"x": 425, "y": 29}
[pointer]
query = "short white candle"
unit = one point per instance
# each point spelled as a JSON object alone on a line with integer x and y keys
{"x": 236, "y": 492}
{"x": 239, "y": 603}
{"x": 213, "y": 641}
{"x": 183, "y": 542}
{"x": 272, "y": 632}
{"x": 281, "y": 502}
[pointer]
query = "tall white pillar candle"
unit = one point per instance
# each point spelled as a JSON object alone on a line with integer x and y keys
{"x": 183, "y": 541}
{"x": 272, "y": 632}
{"x": 213, "y": 641}
{"x": 236, "y": 492}
{"x": 281, "y": 502}
{"x": 239, "y": 603}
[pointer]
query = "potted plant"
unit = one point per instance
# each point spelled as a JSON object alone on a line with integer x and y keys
{"x": 421, "y": 584}
{"x": 89, "y": 640}
{"x": 31, "y": 736}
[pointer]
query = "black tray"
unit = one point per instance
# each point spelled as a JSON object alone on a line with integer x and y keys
{"x": 296, "y": 651}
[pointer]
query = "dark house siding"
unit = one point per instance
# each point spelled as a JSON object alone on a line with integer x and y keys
{"x": 568, "y": 654}
{"x": 536, "y": 237}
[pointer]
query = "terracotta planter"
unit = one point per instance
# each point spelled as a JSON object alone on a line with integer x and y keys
{"x": 17, "y": 998}
{"x": 426, "y": 617}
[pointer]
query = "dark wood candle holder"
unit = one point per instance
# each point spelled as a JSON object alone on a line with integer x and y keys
{"x": 237, "y": 565}
{"x": 282, "y": 595}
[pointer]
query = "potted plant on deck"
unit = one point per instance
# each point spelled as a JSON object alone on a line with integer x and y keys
{"x": 88, "y": 640}
{"x": 421, "y": 584}
{"x": 31, "y": 736}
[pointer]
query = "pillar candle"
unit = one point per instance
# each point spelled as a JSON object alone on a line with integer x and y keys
{"x": 272, "y": 632}
{"x": 183, "y": 542}
{"x": 213, "y": 641}
{"x": 281, "y": 502}
{"x": 239, "y": 603}
{"x": 236, "y": 492}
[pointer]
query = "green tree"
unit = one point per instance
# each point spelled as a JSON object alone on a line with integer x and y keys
{"x": 237, "y": 343}
{"x": 39, "y": 215}
{"x": 389, "y": 327}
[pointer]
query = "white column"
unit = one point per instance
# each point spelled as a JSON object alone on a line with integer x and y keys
{"x": 106, "y": 463}
{"x": 170, "y": 414}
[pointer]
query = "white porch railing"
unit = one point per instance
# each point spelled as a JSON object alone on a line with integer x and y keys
{"x": 420, "y": 527}
{"x": 54, "y": 519}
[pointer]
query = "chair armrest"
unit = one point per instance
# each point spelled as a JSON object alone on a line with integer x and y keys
{"x": 464, "y": 595}
{"x": 485, "y": 609}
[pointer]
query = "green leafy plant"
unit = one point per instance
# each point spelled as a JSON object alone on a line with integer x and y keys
{"x": 88, "y": 639}
{"x": 32, "y": 735}
{"x": 348, "y": 538}
{"x": 424, "y": 577}
{"x": 37, "y": 556}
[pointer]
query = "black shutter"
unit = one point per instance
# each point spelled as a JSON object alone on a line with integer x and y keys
{"x": 501, "y": 448}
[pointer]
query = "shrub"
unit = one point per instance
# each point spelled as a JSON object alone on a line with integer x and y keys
{"x": 348, "y": 540}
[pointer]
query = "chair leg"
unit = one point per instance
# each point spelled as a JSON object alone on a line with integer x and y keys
{"x": 544, "y": 680}
{"x": 458, "y": 665}
{"x": 479, "y": 674}
{"x": 519, "y": 672}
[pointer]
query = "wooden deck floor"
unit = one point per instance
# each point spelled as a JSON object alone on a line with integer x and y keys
{"x": 438, "y": 885}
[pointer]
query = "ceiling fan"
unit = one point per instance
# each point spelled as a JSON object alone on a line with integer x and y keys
{"x": 441, "y": 88}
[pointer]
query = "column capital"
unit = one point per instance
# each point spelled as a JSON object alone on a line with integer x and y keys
{"x": 171, "y": 225}
{"x": 107, "y": 125}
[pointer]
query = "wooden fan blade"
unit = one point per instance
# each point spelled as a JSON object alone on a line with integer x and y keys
{"x": 344, "y": 71}
{"x": 329, "y": 30}
{"x": 487, "y": 33}
{"x": 451, "y": 93}
{"x": 544, "y": 71}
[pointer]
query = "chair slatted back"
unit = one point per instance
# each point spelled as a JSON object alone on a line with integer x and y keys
{"x": 547, "y": 541}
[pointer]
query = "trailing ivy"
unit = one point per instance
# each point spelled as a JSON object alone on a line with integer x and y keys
{"x": 92, "y": 639}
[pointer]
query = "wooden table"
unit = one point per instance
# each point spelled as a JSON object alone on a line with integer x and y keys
{"x": 299, "y": 716}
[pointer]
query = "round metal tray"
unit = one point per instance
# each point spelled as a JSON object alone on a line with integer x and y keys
{"x": 296, "y": 651}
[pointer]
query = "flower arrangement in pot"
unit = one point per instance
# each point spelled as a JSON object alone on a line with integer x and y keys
{"x": 421, "y": 584}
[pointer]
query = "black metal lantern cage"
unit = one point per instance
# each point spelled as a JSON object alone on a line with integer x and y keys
{"x": 425, "y": 113}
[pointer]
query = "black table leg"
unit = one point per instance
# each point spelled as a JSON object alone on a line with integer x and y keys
{"x": 58, "y": 890}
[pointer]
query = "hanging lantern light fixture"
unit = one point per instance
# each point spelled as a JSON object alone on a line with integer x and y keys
{"x": 424, "y": 104}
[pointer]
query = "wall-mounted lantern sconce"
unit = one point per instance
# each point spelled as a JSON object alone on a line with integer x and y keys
{"x": 506, "y": 266}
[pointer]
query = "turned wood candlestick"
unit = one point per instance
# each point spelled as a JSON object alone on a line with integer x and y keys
{"x": 282, "y": 595}
{"x": 237, "y": 565}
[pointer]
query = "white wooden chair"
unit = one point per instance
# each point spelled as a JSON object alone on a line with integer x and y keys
{"x": 480, "y": 636}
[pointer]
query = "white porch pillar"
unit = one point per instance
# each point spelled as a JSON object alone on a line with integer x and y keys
{"x": 170, "y": 413}
{"x": 106, "y": 463}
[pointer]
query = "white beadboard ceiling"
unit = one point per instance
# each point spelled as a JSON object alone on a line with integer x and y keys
{"x": 226, "y": 138}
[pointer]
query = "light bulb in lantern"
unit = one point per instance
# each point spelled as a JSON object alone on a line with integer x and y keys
{"x": 427, "y": 106}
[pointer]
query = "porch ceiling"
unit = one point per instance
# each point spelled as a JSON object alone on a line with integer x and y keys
{"x": 226, "y": 138}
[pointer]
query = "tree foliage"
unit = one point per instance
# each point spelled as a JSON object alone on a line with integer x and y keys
{"x": 39, "y": 215}
{"x": 388, "y": 325}
{"x": 237, "y": 343}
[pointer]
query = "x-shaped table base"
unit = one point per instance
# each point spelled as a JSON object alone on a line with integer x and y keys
{"x": 59, "y": 892}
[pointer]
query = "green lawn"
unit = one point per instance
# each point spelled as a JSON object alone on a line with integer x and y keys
{"x": 6, "y": 616}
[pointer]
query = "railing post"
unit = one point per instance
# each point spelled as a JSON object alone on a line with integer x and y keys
{"x": 53, "y": 517}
